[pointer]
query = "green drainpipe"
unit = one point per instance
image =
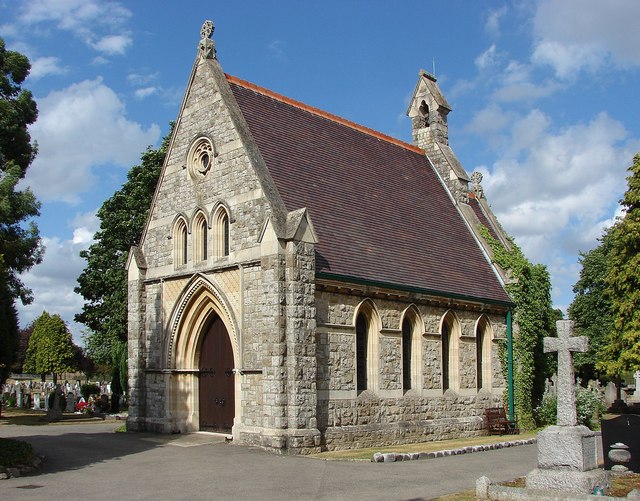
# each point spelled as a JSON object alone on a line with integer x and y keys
{"x": 510, "y": 363}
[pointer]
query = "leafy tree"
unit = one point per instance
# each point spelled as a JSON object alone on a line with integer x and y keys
{"x": 50, "y": 349}
{"x": 534, "y": 318}
{"x": 82, "y": 362}
{"x": 622, "y": 351}
{"x": 23, "y": 343}
{"x": 591, "y": 307}
{"x": 8, "y": 326}
{"x": 20, "y": 246}
{"x": 103, "y": 283}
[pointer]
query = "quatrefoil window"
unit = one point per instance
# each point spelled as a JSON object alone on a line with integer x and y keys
{"x": 200, "y": 158}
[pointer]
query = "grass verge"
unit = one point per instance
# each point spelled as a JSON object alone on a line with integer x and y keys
{"x": 621, "y": 485}
{"x": 30, "y": 417}
{"x": 367, "y": 454}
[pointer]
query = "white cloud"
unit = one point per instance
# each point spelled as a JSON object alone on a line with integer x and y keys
{"x": 489, "y": 121}
{"x": 515, "y": 83}
{"x": 53, "y": 280}
{"x": 45, "y": 66}
{"x": 568, "y": 59}
{"x": 99, "y": 24}
{"x": 525, "y": 91}
{"x": 487, "y": 58}
{"x": 113, "y": 45}
{"x": 492, "y": 26}
{"x": 9, "y": 30}
{"x": 140, "y": 79}
{"x": 558, "y": 186}
{"x": 79, "y": 129}
{"x": 52, "y": 283}
{"x": 575, "y": 35}
{"x": 145, "y": 92}
{"x": 276, "y": 50}
{"x": 85, "y": 226}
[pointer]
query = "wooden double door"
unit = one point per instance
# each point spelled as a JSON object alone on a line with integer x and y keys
{"x": 216, "y": 389}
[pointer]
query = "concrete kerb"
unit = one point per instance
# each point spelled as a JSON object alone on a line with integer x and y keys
{"x": 486, "y": 490}
{"x": 390, "y": 457}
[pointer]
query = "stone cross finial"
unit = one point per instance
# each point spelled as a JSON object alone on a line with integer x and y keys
{"x": 564, "y": 344}
{"x": 207, "y": 47}
{"x": 476, "y": 179}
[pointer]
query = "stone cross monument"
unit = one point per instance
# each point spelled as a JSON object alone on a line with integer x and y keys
{"x": 567, "y": 451}
{"x": 565, "y": 344}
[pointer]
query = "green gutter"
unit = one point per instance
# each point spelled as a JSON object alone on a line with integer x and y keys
{"x": 510, "y": 363}
{"x": 409, "y": 288}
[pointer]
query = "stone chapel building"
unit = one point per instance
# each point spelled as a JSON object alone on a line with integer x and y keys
{"x": 306, "y": 283}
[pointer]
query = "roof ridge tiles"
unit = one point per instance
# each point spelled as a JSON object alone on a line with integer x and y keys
{"x": 324, "y": 114}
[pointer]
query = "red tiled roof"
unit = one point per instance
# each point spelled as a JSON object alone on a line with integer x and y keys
{"x": 379, "y": 210}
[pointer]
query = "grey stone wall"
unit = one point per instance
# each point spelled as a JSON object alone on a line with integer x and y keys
{"x": 369, "y": 421}
{"x": 386, "y": 415}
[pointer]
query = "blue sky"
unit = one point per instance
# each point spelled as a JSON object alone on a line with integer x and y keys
{"x": 542, "y": 95}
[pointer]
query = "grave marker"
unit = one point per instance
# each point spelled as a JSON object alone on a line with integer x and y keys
{"x": 565, "y": 344}
{"x": 567, "y": 459}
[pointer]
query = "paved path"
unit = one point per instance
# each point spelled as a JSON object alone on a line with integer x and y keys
{"x": 90, "y": 462}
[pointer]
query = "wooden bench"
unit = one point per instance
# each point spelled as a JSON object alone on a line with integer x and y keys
{"x": 498, "y": 423}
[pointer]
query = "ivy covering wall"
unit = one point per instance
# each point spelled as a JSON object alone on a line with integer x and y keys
{"x": 533, "y": 319}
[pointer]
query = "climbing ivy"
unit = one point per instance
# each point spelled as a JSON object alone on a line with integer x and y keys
{"x": 533, "y": 319}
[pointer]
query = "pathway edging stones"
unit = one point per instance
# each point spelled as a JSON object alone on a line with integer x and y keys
{"x": 22, "y": 469}
{"x": 390, "y": 457}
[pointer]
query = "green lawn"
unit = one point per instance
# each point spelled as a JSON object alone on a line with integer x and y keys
{"x": 30, "y": 417}
{"x": 367, "y": 454}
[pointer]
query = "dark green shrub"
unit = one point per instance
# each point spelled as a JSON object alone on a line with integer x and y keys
{"x": 89, "y": 389}
{"x": 590, "y": 407}
{"x": 545, "y": 413}
{"x": 14, "y": 452}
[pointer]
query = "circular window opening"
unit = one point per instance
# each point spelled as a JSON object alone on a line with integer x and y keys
{"x": 200, "y": 157}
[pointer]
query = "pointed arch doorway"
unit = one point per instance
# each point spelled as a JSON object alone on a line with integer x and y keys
{"x": 216, "y": 377}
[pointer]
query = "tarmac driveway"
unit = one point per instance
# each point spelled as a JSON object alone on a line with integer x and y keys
{"x": 91, "y": 462}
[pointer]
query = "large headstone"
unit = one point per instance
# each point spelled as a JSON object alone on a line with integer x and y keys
{"x": 36, "y": 400}
{"x": 636, "y": 392}
{"x": 610, "y": 393}
{"x": 71, "y": 402}
{"x": 55, "y": 411}
{"x": 567, "y": 457}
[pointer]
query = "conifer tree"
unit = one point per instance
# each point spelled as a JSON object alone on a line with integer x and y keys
{"x": 50, "y": 349}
